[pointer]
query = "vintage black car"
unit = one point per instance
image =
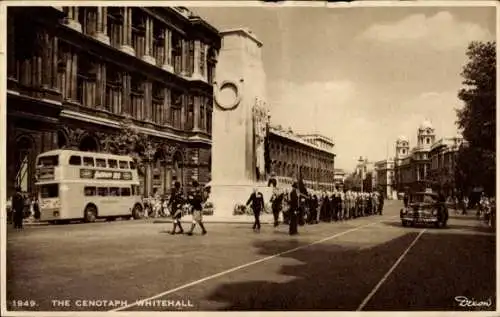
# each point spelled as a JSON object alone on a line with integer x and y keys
{"x": 424, "y": 208}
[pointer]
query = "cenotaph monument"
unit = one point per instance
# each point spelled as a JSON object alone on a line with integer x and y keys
{"x": 239, "y": 124}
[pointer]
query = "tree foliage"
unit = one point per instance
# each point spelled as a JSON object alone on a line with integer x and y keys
{"x": 477, "y": 119}
{"x": 129, "y": 141}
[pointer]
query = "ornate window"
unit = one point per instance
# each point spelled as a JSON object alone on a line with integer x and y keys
{"x": 175, "y": 109}
{"x": 190, "y": 66}
{"x": 203, "y": 113}
{"x": 88, "y": 19}
{"x": 138, "y": 33}
{"x": 158, "y": 44}
{"x": 212, "y": 60}
{"x": 113, "y": 90}
{"x": 137, "y": 97}
{"x": 202, "y": 58}
{"x": 158, "y": 98}
{"x": 190, "y": 113}
{"x": 86, "y": 81}
{"x": 115, "y": 26}
{"x": 177, "y": 52}
{"x": 209, "y": 117}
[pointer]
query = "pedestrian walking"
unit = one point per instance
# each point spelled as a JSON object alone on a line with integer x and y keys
{"x": 294, "y": 209}
{"x": 276, "y": 204}
{"x": 175, "y": 203}
{"x": 18, "y": 208}
{"x": 257, "y": 202}
{"x": 381, "y": 204}
{"x": 195, "y": 199}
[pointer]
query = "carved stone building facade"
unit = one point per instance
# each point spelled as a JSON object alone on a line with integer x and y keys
{"x": 76, "y": 74}
{"x": 311, "y": 156}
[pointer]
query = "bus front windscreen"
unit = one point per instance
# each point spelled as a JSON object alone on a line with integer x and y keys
{"x": 48, "y": 161}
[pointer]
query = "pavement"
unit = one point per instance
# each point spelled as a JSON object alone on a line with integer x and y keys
{"x": 369, "y": 264}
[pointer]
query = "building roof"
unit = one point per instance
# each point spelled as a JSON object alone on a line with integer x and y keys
{"x": 243, "y": 31}
{"x": 295, "y": 138}
{"x": 426, "y": 124}
{"x": 402, "y": 138}
{"x": 317, "y": 136}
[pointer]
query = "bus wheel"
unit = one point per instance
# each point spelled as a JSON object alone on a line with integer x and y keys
{"x": 138, "y": 212}
{"x": 90, "y": 213}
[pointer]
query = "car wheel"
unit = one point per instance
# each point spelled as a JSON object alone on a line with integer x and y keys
{"x": 138, "y": 212}
{"x": 404, "y": 223}
{"x": 439, "y": 224}
{"x": 90, "y": 214}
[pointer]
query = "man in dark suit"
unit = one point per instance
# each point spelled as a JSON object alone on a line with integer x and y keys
{"x": 294, "y": 209}
{"x": 176, "y": 201}
{"x": 195, "y": 199}
{"x": 257, "y": 201}
{"x": 276, "y": 203}
{"x": 18, "y": 208}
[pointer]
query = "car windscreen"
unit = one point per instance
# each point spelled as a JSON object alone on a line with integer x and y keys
{"x": 423, "y": 198}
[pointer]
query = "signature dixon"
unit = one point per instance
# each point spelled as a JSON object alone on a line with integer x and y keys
{"x": 466, "y": 302}
{"x": 181, "y": 303}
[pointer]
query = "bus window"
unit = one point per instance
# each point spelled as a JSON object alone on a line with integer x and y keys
{"x": 102, "y": 191}
{"x": 49, "y": 191}
{"x": 48, "y": 161}
{"x": 100, "y": 162}
{"x": 125, "y": 191}
{"x": 132, "y": 165}
{"x": 88, "y": 161}
{"x": 114, "y": 191}
{"x": 123, "y": 164}
{"x": 75, "y": 160}
{"x": 112, "y": 164}
{"x": 90, "y": 191}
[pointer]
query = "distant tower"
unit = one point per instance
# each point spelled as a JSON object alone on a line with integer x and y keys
{"x": 402, "y": 148}
{"x": 426, "y": 135}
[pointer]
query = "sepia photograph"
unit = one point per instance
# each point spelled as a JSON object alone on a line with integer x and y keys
{"x": 248, "y": 156}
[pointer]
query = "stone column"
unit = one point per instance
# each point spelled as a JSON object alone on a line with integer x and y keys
{"x": 126, "y": 94}
{"x": 74, "y": 69}
{"x": 54, "y": 62}
{"x": 167, "y": 57}
{"x": 184, "y": 57}
{"x": 126, "y": 45}
{"x": 46, "y": 59}
{"x": 148, "y": 100}
{"x": 166, "y": 106}
{"x": 72, "y": 19}
{"x": 148, "y": 52}
{"x": 102, "y": 29}
{"x": 183, "y": 111}
{"x": 197, "y": 55}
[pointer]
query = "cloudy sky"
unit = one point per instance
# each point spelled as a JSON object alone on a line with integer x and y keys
{"x": 362, "y": 76}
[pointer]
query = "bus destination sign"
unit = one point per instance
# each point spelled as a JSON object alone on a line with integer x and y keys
{"x": 99, "y": 174}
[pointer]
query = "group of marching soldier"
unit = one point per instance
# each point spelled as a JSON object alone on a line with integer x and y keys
{"x": 300, "y": 206}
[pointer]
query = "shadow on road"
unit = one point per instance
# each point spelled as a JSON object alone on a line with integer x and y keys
{"x": 338, "y": 278}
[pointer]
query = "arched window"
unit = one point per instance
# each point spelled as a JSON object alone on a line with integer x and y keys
{"x": 89, "y": 144}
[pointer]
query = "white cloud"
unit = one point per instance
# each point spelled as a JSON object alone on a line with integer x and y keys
{"x": 441, "y": 31}
{"x": 334, "y": 109}
{"x": 438, "y": 107}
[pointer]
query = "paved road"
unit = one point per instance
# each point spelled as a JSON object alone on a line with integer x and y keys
{"x": 370, "y": 264}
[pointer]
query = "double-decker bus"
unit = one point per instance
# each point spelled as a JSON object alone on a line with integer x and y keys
{"x": 75, "y": 185}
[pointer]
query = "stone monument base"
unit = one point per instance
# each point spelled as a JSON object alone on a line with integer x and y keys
{"x": 225, "y": 197}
